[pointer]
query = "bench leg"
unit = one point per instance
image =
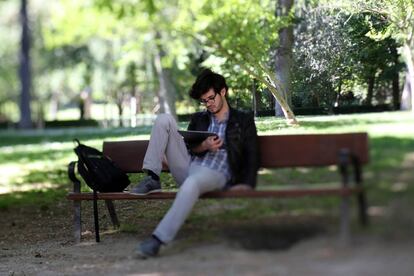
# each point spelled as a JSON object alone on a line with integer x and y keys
{"x": 112, "y": 213}
{"x": 96, "y": 215}
{"x": 343, "y": 163}
{"x": 77, "y": 229}
{"x": 362, "y": 209}
{"x": 344, "y": 231}
{"x": 361, "y": 197}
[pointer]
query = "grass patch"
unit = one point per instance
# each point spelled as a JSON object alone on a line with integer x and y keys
{"x": 128, "y": 228}
{"x": 37, "y": 198}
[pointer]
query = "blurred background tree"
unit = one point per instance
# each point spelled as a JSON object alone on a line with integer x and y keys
{"x": 117, "y": 61}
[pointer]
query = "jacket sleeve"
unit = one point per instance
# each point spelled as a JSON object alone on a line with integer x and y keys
{"x": 193, "y": 126}
{"x": 251, "y": 151}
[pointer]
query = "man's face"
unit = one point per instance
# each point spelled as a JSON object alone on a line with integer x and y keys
{"x": 212, "y": 100}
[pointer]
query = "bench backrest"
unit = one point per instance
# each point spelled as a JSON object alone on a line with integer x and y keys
{"x": 276, "y": 151}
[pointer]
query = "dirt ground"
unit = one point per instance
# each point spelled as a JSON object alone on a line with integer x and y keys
{"x": 38, "y": 241}
{"x": 113, "y": 257}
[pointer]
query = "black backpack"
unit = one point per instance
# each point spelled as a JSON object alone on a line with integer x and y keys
{"x": 99, "y": 172}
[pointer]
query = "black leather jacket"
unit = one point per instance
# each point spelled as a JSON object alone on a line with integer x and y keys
{"x": 241, "y": 144}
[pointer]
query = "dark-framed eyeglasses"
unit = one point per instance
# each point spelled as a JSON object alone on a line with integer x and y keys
{"x": 210, "y": 99}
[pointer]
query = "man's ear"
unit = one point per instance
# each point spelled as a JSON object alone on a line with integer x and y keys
{"x": 223, "y": 91}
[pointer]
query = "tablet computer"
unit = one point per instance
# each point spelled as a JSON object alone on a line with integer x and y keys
{"x": 195, "y": 136}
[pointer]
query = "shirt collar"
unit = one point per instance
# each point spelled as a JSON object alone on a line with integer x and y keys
{"x": 213, "y": 118}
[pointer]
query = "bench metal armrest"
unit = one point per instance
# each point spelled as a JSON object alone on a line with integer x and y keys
{"x": 72, "y": 176}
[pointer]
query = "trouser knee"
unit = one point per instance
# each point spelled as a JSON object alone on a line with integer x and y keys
{"x": 164, "y": 120}
{"x": 189, "y": 189}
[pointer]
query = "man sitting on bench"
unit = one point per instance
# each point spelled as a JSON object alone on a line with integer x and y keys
{"x": 228, "y": 160}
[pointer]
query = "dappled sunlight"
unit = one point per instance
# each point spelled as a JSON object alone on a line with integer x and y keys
{"x": 303, "y": 170}
{"x": 399, "y": 186}
{"x": 377, "y": 211}
{"x": 33, "y": 175}
{"x": 264, "y": 171}
{"x": 27, "y": 187}
{"x": 376, "y": 124}
{"x": 28, "y": 138}
{"x": 408, "y": 160}
{"x": 8, "y": 174}
{"x": 37, "y": 148}
{"x": 298, "y": 177}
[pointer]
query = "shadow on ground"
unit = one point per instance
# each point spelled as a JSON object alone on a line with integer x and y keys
{"x": 271, "y": 237}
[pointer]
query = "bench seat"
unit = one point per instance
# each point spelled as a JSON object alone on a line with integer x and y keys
{"x": 223, "y": 194}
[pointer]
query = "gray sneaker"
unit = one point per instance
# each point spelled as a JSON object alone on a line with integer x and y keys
{"x": 146, "y": 186}
{"x": 148, "y": 248}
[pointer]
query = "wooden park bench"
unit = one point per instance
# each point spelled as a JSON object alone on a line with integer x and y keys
{"x": 347, "y": 151}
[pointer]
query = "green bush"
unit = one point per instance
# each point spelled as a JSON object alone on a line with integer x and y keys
{"x": 72, "y": 123}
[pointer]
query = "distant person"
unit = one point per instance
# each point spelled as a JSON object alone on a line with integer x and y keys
{"x": 226, "y": 161}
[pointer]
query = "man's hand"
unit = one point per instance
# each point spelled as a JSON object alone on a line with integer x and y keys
{"x": 241, "y": 187}
{"x": 212, "y": 143}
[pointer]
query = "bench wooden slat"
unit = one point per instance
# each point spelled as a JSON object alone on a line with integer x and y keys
{"x": 128, "y": 155}
{"x": 276, "y": 151}
{"x": 224, "y": 194}
{"x": 310, "y": 149}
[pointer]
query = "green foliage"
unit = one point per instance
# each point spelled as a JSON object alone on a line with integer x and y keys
{"x": 229, "y": 30}
{"x": 233, "y": 26}
{"x": 109, "y": 48}
{"x": 399, "y": 15}
{"x": 334, "y": 59}
{"x": 8, "y": 59}
{"x": 396, "y": 20}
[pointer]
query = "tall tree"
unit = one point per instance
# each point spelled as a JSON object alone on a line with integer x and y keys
{"x": 167, "y": 92}
{"x": 159, "y": 17}
{"x": 283, "y": 55}
{"x": 230, "y": 30}
{"x": 24, "y": 71}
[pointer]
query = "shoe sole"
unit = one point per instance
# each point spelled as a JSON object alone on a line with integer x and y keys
{"x": 141, "y": 255}
{"x": 150, "y": 192}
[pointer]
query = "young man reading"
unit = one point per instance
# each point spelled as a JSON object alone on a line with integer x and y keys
{"x": 228, "y": 160}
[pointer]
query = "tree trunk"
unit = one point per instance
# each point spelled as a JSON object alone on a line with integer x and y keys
{"x": 40, "y": 122}
{"x": 370, "y": 91}
{"x": 396, "y": 91}
{"x": 257, "y": 99}
{"x": 54, "y": 105}
{"x": 120, "y": 111}
{"x": 283, "y": 58}
{"x": 410, "y": 74}
{"x": 24, "y": 70}
{"x": 85, "y": 104}
{"x": 337, "y": 95}
{"x": 287, "y": 111}
{"x": 406, "y": 94}
{"x": 396, "y": 81}
{"x": 167, "y": 90}
{"x": 139, "y": 102}
{"x": 133, "y": 113}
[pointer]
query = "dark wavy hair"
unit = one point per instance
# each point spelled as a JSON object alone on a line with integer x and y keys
{"x": 206, "y": 80}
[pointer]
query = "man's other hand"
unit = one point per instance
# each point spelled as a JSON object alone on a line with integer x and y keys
{"x": 212, "y": 143}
